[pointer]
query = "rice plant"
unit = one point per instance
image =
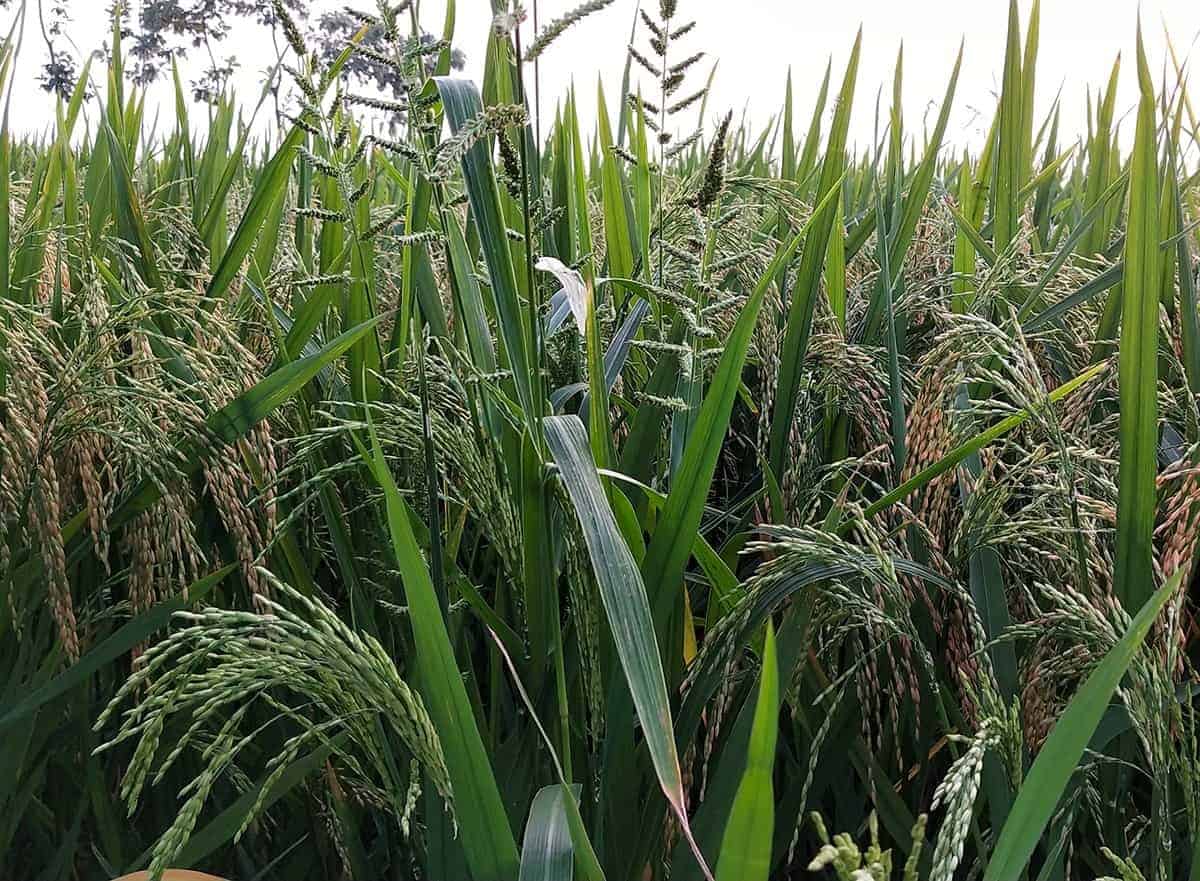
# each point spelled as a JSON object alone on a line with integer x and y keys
{"x": 422, "y": 486}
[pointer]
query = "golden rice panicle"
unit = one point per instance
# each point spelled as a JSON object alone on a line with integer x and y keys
{"x": 262, "y": 448}
{"x": 229, "y": 487}
{"x": 31, "y": 479}
{"x": 54, "y": 274}
{"x": 1179, "y": 528}
{"x": 89, "y": 448}
{"x": 96, "y": 482}
{"x": 139, "y": 542}
{"x": 930, "y": 437}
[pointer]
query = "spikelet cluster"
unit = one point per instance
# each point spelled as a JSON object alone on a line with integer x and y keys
{"x": 220, "y": 662}
{"x": 556, "y": 28}
{"x": 30, "y": 489}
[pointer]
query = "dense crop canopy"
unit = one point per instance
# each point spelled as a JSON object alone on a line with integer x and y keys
{"x": 420, "y": 485}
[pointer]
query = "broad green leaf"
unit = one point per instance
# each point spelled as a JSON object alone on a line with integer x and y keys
{"x": 1189, "y": 320}
{"x": 1006, "y": 206}
{"x": 131, "y": 219}
{"x": 462, "y": 103}
{"x": 271, "y": 181}
{"x": 812, "y": 140}
{"x": 623, "y": 595}
{"x": 613, "y": 194}
{"x": 27, "y": 260}
{"x": 788, "y": 157}
{"x": 1138, "y": 361}
{"x": 5, "y": 196}
{"x": 1100, "y": 162}
{"x": 546, "y": 852}
{"x": 749, "y": 832}
{"x": 1028, "y": 87}
{"x": 835, "y": 267}
{"x": 585, "y": 856}
{"x": 214, "y": 214}
{"x": 922, "y": 179}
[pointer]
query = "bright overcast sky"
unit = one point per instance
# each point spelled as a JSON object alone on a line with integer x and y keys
{"x": 756, "y": 41}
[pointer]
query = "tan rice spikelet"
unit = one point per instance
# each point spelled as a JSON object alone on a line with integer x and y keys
{"x": 53, "y": 265}
{"x": 1174, "y": 333}
{"x": 931, "y": 256}
{"x": 767, "y": 343}
{"x": 898, "y": 647}
{"x": 1037, "y": 714}
{"x": 916, "y": 588}
{"x": 228, "y": 486}
{"x": 861, "y": 393}
{"x": 870, "y": 678}
{"x": 262, "y": 448}
{"x": 138, "y": 537}
{"x": 929, "y": 439}
{"x": 1178, "y": 531}
{"x": 714, "y": 718}
{"x": 88, "y": 448}
{"x": 48, "y": 516}
{"x": 11, "y": 475}
{"x": 162, "y": 550}
{"x": 901, "y": 669}
{"x": 870, "y": 691}
{"x": 161, "y": 539}
{"x": 138, "y": 540}
{"x": 960, "y": 654}
{"x": 1050, "y": 667}
{"x": 228, "y": 477}
{"x": 1178, "y": 528}
{"x": 583, "y": 605}
{"x": 30, "y": 464}
{"x": 1077, "y": 408}
{"x": 177, "y": 540}
{"x": 96, "y": 480}
{"x": 792, "y": 482}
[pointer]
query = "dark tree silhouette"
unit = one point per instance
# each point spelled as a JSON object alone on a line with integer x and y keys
{"x": 157, "y": 31}
{"x": 165, "y": 29}
{"x": 334, "y": 29}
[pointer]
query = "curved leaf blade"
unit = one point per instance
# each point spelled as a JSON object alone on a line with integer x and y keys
{"x": 623, "y": 595}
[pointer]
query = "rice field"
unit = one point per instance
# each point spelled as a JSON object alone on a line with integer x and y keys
{"x": 418, "y": 486}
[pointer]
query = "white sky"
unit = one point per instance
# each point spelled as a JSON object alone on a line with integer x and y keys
{"x": 756, "y": 42}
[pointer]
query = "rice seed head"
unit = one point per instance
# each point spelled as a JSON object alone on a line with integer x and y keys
{"x": 31, "y": 475}
{"x": 556, "y": 28}
{"x": 714, "y": 170}
{"x": 492, "y": 120}
{"x": 645, "y": 62}
{"x": 290, "y": 30}
{"x": 957, "y": 791}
